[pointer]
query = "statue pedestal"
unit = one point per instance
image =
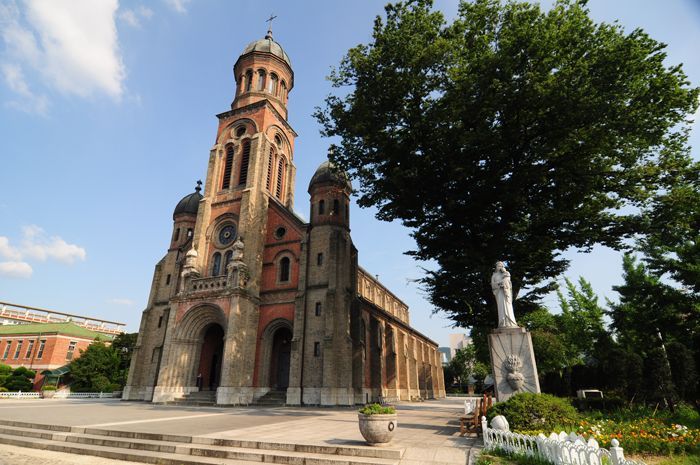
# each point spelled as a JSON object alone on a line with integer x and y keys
{"x": 513, "y": 362}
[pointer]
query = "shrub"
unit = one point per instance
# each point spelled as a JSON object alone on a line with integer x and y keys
{"x": 606, "y": 404}
{"x": 48, "y": 387}
{"x": 376, "y": 409}
{"x": 528, "y": 411}
{"x": 3, "y": 389}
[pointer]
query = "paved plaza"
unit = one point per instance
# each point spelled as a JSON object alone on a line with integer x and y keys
{"x": 427, "y": 432}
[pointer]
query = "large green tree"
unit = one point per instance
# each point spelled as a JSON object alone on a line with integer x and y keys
{"x": 96, "y": 370}
{"x": 511, "y": 133}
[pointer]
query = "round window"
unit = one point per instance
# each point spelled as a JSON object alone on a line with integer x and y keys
{"x": 227, "y": 234}
{"x": 280, "y": 232}
{"x": 240, "y": 131}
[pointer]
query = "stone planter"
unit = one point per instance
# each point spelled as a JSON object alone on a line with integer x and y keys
{"x": 48, "y": 394}
{"x": 377, "y": 429}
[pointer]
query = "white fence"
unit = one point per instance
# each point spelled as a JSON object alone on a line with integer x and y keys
{"x": 82, "y": 395}
{"x": 20, "y": 395}
{"x": 559, "y": 449}
{"x": 58, "y": 395}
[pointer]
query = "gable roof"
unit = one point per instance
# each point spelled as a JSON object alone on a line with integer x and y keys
{"x": 68, "y": 329}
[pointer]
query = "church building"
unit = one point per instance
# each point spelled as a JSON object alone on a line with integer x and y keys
{"x": 252, "y": 303}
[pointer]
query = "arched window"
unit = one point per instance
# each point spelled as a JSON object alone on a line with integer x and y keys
{"x": 270, "y": 162}
{"x": 336, "y": 207}
{"x": 216, "y": 264}
{"x": 241, "y": 81}
{"x": 177, "y": 234}
{"x": 321, "y": 207}
{"x": 261, "y": 80}
{"x": 245, "y": 157}
{"x": 228, "y": 166}
{"x": 248, "y": 80}
{"x": 283, "y": 91}
{"x": 285, "y": 264}
{"x": 280, "y": 178}
{"x": 273, "y": 84}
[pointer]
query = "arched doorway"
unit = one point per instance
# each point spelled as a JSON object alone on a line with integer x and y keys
{"x": 211, "y": 353}
{"x": 279, "y": 360}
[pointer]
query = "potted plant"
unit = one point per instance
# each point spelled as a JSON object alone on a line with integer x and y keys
{"x": 48, "y": 391}
{"x": 377, "y": 423}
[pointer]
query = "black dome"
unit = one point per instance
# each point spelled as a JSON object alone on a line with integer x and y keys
{"x": 328, "y": 173}
{"x": 189, "y": 203}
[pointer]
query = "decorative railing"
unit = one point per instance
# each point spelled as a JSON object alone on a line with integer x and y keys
{"x": 59, "y": 395}
{"x": 371, "y": 289}
{"x": 20, "y": 395}
{"x": 214, "y": 283}
{"x": 559, "y": 449}
{"x": 83, "y": 395}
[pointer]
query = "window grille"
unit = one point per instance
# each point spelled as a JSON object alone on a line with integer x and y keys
{"x": 243, "y": 178}
{"x": 228, "y": 167}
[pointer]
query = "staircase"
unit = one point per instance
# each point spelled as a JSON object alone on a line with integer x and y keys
{"x": 169, "y": 449}
{"x": 196, "y": 398}
{"x": 273, "y": 398}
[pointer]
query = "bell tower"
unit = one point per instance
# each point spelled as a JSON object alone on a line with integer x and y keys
{"x": 250, "y": 168}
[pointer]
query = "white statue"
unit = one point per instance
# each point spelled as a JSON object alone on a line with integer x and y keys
{"x": 503, "y": 290}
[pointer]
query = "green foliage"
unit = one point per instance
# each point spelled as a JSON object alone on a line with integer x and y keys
{"x": 528, "y": 411}
{"x": 5, "y": 372}
{"x": 96, "y": 368}
{"x": 377, "y": 409}
{"x": 683, "y": 370}
{"x": 462, "y": 364}
{"x": 123, "y": 344}
{"x": 21, "y": 379}
{"x": 499, "y": 456}
{"x": 511, "y": 133}
{"x": 48, "y": 387}
{"x": 3, "y": 389}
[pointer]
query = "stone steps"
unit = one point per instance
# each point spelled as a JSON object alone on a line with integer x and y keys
{"x": 273, "y": 398}
{"x": 165, "y": 449}
{"x": 196, "y": 399}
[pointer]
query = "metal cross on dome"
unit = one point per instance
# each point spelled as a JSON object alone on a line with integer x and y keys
{"x": 269, "y": 21}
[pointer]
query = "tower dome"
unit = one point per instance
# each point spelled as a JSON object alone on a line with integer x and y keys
{"x": 328, "y": 173}
{"x": 189, "y": 203}
{"x": 268, "y": 45}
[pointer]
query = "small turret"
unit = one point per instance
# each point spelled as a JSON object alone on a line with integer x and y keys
{"x": 330, "y": 190}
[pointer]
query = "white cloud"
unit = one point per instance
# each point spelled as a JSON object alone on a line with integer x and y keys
{"x": 21, "y": 270}
{"x": 27, "y": 100}
{"x": 178, "y": 5}
{"x": 133, "y": 17}
{"x": 70, "y": 45}
{"x": 37, "y": 245}
{"x": 119, "y": 301}
{"x": 7, "y": 251}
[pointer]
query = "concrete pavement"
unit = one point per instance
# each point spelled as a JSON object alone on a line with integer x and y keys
{"x": 427, "y": 432}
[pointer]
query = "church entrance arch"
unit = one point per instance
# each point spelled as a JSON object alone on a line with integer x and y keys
{"x": 210, "y": 355}
{"x": 279, "y": 366}
{"x": 277, "y": 347}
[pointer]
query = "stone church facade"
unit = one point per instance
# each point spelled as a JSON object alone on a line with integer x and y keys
{"x": 252, "y": 300}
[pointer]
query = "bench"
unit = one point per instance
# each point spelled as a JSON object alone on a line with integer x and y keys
{"x": 472, "y": 421}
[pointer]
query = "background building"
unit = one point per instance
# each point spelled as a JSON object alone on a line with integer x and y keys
{"x": 252, "y": 302}
{"x": 44, "y": 346}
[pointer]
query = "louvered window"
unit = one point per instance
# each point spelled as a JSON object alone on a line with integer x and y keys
{"x": 284, "y": 269}
{"x": 270, "y": 161}
{"x": 245, "y": 158}
{"x": 216, "y": 265}
{"x": 228, "y": 166}
{"x": 280, "y": 178}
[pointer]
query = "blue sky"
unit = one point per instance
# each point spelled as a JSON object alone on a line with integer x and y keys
{"x": 107, "y": 114}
